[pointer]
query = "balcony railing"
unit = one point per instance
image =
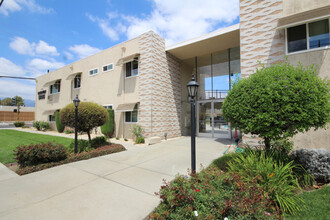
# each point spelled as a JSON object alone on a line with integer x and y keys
{"x": 215, "y": 94}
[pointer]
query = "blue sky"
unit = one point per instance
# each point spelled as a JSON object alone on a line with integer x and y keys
{"x": 38, "y": 35}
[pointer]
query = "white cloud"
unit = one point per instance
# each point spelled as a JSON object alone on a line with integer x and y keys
{"x": 68, "y": 55}
{"x": 38, "y": 66}
{"x": 9, "y": 68}
{"x": 110, "y": 29}
{"x": 23, "y": 46}
{"x": 25, "y": 89}
{"x": 43, "y": 48}
{"x": 84, "y": 50}
{"x": 174, "y": 20}
{"x": 9, "y": 6}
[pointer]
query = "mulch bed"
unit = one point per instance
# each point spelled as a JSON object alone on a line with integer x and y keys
{"x": 100, "y": 151}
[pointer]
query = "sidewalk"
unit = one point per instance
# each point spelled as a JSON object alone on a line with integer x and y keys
{"x": 115, "y": 186}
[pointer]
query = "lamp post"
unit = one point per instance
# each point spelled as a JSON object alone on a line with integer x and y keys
{"x": 76, "y": 104}
{"x": 192, "y": 92}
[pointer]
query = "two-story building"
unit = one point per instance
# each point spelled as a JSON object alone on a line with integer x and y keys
{"x": 144, "y": 81}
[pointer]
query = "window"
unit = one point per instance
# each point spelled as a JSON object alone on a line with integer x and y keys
{"x": 93, "y": 72}
{"x": 132, "y": 68}
{"x": 107, "y": 68}
{"x": 56, "y": 87}
{"x": 132, "y": 117}
{"x": 51, "y": 117}
{"x": 109, "y": 106}
{"x": 77, "y": 81}
{"x": 308, "y": 36}
{"x": 42, "y": 94}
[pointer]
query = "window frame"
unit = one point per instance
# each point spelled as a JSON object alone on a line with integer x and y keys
{"x": 94, "y": 74}
{"x": 138, "y": 63}
{"x": 136, "y": 109}
{"x": 51, "y": 118}
{"x": 51, "y": 87}
{"x": 107, "y": 65}
{"x": 306, "y": 23}
{"x": 74, "y": 79}
{"x": 108, "y": 105}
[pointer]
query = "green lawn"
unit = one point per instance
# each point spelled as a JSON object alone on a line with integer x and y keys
{"x": 10, "y": 139}
{"x": 317, "y": 205}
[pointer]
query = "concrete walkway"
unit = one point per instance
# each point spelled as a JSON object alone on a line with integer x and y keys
{"x": 116, "y": 186}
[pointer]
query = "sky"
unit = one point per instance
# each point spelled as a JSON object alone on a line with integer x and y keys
{"x": 39, "y": 35}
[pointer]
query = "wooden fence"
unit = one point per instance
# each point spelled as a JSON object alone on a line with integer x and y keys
{"x": 12, "y": 116}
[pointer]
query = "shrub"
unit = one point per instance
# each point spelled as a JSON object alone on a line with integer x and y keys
{"x": 213, "y": 195}
{"x": 36, "y": 124}
{"x": 315, "y": 161}
{"x": 33, "y": 154}
{"x": 139, "y": 140}
{"x": 222, "y": 162}
{"x": 137, "y": 131}
{"x": 125, "y": 139}
{"x": 82, "y": 146}
{"x": 19, "y": 123}
{"x": 73, "y": 158}
{"x": 276, "y": 178}
{"x": 90, "y": 115}
{"x": 117, "y": 138}
{"x": 44, "y": 126}
{"x": 68, "y": 130}
{"x": 278, "y": 101}
{"x": 99, "y": 141}
{"x": 109, "y": 127}
{"x": 59, "y": 126}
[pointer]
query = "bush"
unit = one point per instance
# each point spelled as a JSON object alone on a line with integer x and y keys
{"x": 139, "y": 140}
{"x": 276, "y": 178}
{"x": 36, "y": 124}
{"x": 34, "y": 154}
{"x": 117, "y": 138}
{"x": 109, "y": 127}
{"x": 44, "y": 126}
{"x": 315, "y": 161}
{"x": 68, "y": 130}
{"x": 90, "y": 115}
{"x": 137, "y": 131}
{"x": 19, "y": 123}
{"x": 213, "y": 195}
{"x": 59, "y": 126}
{"x": 278, "y": 102}
{"x": 99, "y": 141}
{"x": 73, "y": 158}
{"x": 222, "y": 162}
{"x": 82, "y": 146}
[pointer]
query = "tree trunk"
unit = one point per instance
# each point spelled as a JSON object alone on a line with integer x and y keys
{"x": 267, "y": 144}
{"x": 89, "y": 137}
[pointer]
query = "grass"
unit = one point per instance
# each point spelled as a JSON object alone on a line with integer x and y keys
{"x": 317, "y": 205}
{"x": 10, "y": 139}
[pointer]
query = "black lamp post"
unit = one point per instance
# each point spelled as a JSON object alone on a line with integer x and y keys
{"x": 76, "y": 104}
{"x": 192, "y": 92}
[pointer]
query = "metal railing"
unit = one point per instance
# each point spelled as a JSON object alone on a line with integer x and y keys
{"x": 215, "y": 94}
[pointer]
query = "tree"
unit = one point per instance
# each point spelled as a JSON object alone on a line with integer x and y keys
{"x": 59, "y": 126}
{"x": 90, "y": 115}
{"x": 108, "y": 128}
{"x": 278, "y": 102}
{"x": 18, "y": 101}
{"x": 6, "y": 101}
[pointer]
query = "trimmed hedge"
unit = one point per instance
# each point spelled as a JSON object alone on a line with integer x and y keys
{"x": 59, "y": 126}
{"x": 109, "y": 127}
{"x": 19, "y": 123}
{"x": 34, "y": 154}
{"x": 114, "y": 148}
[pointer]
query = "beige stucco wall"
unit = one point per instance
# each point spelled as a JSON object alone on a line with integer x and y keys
{"x": 321, "y": 137}
{"x": 291, "y": 7}
{"x": 103, "y": 88}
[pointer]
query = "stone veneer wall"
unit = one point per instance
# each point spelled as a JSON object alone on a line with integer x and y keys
{"x": 159, "y": 88}
{"x": 260, "y": 40}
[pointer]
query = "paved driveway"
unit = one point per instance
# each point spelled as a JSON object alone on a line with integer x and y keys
{"x": 116, "y": 186}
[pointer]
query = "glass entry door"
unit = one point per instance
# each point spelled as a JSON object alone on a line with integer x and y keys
{"x": 210, "y": 120}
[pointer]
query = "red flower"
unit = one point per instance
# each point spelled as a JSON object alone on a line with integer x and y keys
{"x": 197, "y": 190}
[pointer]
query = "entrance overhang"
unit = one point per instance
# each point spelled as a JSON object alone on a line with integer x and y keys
{"x": 218, "y": 40}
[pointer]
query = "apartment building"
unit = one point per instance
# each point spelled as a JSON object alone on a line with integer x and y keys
{"x": 144, "y": 81}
